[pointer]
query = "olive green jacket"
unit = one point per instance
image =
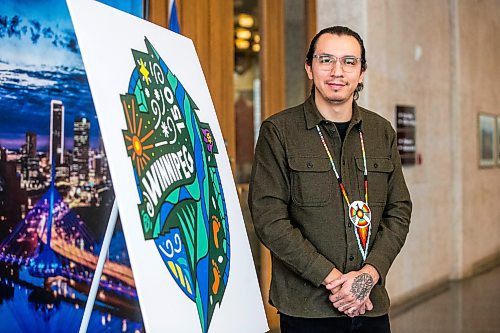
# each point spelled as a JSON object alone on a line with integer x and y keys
{"x": 299, "y": 212}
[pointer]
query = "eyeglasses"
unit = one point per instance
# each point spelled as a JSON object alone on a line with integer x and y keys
{"x": 327, "y": 61}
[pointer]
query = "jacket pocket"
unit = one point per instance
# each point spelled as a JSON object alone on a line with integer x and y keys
{"x": 379, "y": 170}
{"x": 311, "y": 180}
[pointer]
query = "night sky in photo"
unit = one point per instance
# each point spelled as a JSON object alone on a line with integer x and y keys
{"x": 40, "y": 61}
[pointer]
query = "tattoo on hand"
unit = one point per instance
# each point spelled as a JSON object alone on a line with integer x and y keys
{"x": 362, "y": 286}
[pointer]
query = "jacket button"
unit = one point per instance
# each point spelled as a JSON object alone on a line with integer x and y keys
{"x": 309, "y": 164}
{"x": 351, "y": 258}
{"x": 375, "y": 165}
{"x": 343, "y": 162}
{"x": 349, "y": 225}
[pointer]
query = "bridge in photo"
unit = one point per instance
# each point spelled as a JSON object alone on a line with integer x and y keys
{"x": 53, "y": 241}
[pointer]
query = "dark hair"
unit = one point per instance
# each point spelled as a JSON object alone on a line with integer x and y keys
{"x": 339, "y": 31}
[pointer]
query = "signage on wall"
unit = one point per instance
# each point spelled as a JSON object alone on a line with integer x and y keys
{"x": 405, "y": 128}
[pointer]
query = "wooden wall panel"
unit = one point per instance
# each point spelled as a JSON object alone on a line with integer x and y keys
{"x": 272, "y": 60}
{"x": 272, "y": 56}
{"x": 311, "y": 26}
{"x": 209, "y": 24}
{"x": 158, "y": 12}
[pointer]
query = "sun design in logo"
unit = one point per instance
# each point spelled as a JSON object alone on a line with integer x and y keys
{"x": 137, "y": 147}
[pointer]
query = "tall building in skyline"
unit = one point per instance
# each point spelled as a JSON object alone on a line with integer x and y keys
{"x": 31, "y": 139}
{"x": 56, "y": 145}
{"x": 81, "y": 132}
{"x": 29, "y": 162}
{"x": 103, "y": 169}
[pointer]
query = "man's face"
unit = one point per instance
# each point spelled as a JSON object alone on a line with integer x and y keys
{"x": 335, "y": 86}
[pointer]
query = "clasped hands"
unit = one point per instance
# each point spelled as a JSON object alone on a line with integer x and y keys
{"x": 350, "y": 292}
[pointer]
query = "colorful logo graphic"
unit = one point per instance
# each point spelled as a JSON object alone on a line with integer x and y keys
{"x": 182, "y": 204}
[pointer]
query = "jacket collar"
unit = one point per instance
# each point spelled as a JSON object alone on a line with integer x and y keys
{"x": 313, "y": 117}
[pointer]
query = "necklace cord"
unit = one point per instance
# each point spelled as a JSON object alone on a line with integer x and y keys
{"x": 339, "y": 178}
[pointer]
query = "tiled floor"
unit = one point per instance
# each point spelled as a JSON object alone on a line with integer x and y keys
{"x": 468, "y": 306}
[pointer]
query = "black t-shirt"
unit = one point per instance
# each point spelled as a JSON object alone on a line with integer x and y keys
{"x": 342, "y": 128}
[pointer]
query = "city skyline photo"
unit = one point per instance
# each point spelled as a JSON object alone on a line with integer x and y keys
{"x": 55, "y": 190}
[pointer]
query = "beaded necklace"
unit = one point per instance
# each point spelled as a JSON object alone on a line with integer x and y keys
{"x": 359, "y": 211}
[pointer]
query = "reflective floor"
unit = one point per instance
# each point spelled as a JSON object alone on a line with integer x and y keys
{"x": 468, "y": 306}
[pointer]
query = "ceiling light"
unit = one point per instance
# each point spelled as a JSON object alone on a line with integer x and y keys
{"x": 245, "y": 20}
{"x": 243, "y": 33}
{"x": 242, "y": 44}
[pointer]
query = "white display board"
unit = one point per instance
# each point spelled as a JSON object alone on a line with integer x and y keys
{"x": 176, "y": 196}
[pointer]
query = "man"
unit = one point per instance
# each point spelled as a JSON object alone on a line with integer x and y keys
{"x": 328, "y": 198}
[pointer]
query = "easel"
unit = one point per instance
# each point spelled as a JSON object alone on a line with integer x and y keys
{"x": 100, "y": 265}
{"x": 174, "y": 26}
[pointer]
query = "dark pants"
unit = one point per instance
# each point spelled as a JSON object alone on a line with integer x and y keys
{"x": 335, "y": 325}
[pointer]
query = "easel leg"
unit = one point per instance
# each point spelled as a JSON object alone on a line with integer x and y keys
{"x": 100, "y": 265}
